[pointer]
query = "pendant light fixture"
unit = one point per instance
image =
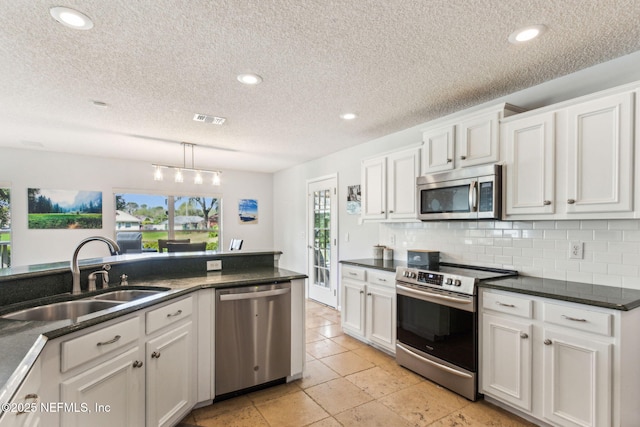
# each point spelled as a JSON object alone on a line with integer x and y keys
{"x": 180, "y": 170}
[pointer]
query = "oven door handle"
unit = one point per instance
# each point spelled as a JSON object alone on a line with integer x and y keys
{"x": 421, "y": 295}
{"x": 437, "y": 365}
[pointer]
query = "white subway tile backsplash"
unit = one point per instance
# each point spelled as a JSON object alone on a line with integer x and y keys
{"x": 534, "y": 248}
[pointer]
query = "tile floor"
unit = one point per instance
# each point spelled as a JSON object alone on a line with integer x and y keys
{"x": 347, "y": 383}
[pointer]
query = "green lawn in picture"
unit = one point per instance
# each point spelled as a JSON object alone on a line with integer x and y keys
{"x": 64, "y": 220}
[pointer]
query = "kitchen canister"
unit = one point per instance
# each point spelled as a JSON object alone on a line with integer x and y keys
{"x": 378, "y": 251}
{"x": 387, "y": 254}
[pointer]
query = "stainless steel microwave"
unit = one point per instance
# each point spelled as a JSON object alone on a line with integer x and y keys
{"x": 469, "y": 193}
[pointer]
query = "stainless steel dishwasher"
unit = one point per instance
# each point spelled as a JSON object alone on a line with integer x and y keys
{"x": 253, "y": 336}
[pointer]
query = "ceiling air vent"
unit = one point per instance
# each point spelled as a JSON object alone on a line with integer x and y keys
{"x": 209, "y": 119}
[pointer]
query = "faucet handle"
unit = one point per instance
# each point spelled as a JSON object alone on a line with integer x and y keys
{"x": 123, "y": 280}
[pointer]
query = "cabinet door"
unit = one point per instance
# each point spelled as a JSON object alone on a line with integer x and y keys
{"x": 506, "y": 360}
{"x": 478, "y": 140}
{"x": 403, "y": 169}
{"x": 353, "y": 306}
{"x": 110, "y": 394}
{"x": 25, "y": 406}
{"x": 600, "y": 147}
{"x": 381, "y": 316}
{"x": 577, "y": 380}
{"x": 170, "y": 376}
{"x": 374, "y": 188}
{"x": 438, "y": 150}
{"x": 530, "y": 158}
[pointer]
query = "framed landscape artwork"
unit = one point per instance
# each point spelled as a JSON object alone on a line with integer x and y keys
{"x": 64, "y": 209}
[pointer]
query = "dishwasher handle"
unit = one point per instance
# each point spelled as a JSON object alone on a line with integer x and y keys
{"x": 253, "y": 295}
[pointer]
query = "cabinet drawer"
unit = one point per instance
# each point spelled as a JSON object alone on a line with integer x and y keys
{"x": 517, "y": 306}
{"x": 354, "y": 273}
{"x": 174, "y": 312}
{"x": 579, "y": 318}
{"x": 80, "y": 350}
{"x": 381, "y": 278}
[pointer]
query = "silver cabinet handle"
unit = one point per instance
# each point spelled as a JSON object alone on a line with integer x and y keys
{"x": 574, "y": 319}
{"x": 524, "y": 335}
{"x": 368, "y": 294}
{"x": 115, "y": 339}
{"x": 381, "y": 212}
{"x": 548, "y": 342}
{"x": 33, "y": 396}
{"x": 571, "y": 201}
{"x": 381, "y": 280}
{"x": 137, "y": 364}
{"x": 505, "y": 305}
{"x": 449, "y": 160}
{"x": 463, "y": 157}
{"x": 390, "y": 211}
{"x": 351, "y": 273}
{"x": 362, "y": 292}
{"x": 155, "y": 355}
{"x": 252, "y": 295}
{"x": 177, "y": 313}
{"x": 546, "y": 202}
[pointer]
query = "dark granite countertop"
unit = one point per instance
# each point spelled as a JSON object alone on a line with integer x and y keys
{"x": 612, "y": 297}
{"x": 378, "y": 264}
{"x": 22, "y": 341}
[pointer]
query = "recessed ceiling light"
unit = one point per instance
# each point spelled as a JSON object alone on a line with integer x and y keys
{"x": 249, "y": 79}
{"x": 527, "y": 33}
{"x": 71, "y": 18}
{"x": 348, "y": 116}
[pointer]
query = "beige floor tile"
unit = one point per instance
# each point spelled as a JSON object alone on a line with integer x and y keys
{"x": 327, "y": 422}
{"x": 424, "y": 403}
{"x": 309, "y": 358}
{"x": 316, "y": 373}
{"x": 324, "y": 348}
{"x": 329, "y": 331}
{"x": 187, "y": 421}
{"x": 317, "y": 321}
{"x": 372, "y": 414}
{"x": 258, "y": 397}
{"x": 347, "y": 363}
{"x": 312, "y": 335}
{"x": 348, "y": 342}
{"x": 332, "y": 316}
{"x": 219, "y": 408}
{"x": 482, "y": 413}
{"x": 338, "y": 395}
{"x": 377, "y": 382}
{"x": 244, "y": 417}
{"x": 373, "y": 355}
{"x": 295, "y": 409}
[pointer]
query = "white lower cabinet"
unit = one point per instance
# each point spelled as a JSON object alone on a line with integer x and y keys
{"x": 369, "y": 306}
{"x": 560, "y": 362}
{"x": 24, "y": 408}
{"x": 170, "y": 373}
{"x": 109, "y": 394}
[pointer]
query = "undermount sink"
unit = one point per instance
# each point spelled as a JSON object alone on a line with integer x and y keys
{"x": 124, "y": 295}
{"x": 61, "y": 310}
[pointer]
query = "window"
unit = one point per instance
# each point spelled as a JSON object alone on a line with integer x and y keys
{"x": 5, "y": 227}
{"x": 168, "y": 217}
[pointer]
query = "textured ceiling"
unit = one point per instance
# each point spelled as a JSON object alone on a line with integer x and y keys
{"x": 396, "y": 63}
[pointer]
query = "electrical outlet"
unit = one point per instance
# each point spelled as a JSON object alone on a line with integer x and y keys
{"x": 576, "y": 250}
{"x": 214, "y": 265}
{"x": 392, "y": 239}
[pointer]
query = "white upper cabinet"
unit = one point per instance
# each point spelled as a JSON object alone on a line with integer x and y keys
{"x": 600, "y": 145}
{"x": 530, "y": 156}
{"x": 570, "y": 161}
{"x": 389, "y": 185}
{"x": 462, "y": 140}
{"x": 438, "y": 149}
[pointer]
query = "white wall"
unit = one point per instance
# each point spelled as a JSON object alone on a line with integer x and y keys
{"x": 24, "y": 169}
{"x": 452, "y": 238}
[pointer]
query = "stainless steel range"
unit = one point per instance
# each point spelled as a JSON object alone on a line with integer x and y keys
{"x": 437, "y": 330}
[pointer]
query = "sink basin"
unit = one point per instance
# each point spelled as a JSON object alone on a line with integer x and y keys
{"x": 124, "y": 295}
{"x": 61, "y": 310}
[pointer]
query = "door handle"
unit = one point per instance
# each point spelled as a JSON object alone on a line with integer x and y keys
{"x": 473, "y": 196}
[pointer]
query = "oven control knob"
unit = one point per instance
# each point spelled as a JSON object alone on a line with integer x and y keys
{"x": 412, "y": 275}
{"x": 405, "y": 274}
{"x": 449, "y": 281}
{"x": 457, "y": 282}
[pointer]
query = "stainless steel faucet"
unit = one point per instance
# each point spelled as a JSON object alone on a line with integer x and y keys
{"x": 75, "y": 268}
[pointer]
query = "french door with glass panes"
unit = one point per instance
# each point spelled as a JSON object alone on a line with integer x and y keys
{"x": 322, "y": 240}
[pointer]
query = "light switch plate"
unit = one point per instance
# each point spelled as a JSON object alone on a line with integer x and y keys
{"x": 214, "y": 265}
